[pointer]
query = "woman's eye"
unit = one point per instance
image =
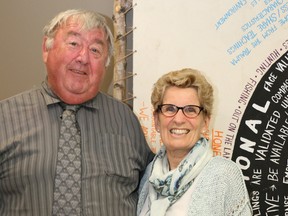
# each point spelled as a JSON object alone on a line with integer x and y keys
{"x": 190, "y": 110}
{"x": 170, "y": 109}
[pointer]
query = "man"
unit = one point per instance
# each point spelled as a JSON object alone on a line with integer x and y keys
{"x": 77, "y": 48}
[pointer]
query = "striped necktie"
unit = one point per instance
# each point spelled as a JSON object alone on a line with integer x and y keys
{"x": 67, "y": 185}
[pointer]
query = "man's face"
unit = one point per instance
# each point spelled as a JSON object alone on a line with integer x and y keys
{"x": 76, "y": 62}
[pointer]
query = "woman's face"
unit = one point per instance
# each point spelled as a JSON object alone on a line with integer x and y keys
{"x": 180, "y": 133}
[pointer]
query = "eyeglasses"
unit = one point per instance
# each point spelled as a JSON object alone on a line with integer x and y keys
{"x": 170, "y": 110}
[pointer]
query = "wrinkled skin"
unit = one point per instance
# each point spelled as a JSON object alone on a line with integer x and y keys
{"x": 76, "y": 62}
{"x": 179, "y": 133}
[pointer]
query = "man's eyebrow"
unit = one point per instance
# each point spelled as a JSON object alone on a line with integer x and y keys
{"x": 73, "y": 33}
{"x": 77, "y": 34}
{"x": 99, "y": 41}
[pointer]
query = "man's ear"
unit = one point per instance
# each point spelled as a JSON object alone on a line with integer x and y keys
{"x": 44, "y": 50}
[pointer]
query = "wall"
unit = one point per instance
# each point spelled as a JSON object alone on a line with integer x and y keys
{"x": 21, "y": 22}
{"x": 242, "y": 47}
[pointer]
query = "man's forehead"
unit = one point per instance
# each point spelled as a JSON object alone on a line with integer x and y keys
{"x": 80, "y": 24}
{"x": 77, "y": 29}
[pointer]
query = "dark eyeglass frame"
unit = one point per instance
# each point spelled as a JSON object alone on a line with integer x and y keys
{"x": 178, "y": 108}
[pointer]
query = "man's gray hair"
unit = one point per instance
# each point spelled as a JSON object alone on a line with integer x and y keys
{"x": 89, "y": 19}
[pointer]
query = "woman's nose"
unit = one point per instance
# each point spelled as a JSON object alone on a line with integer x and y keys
{"x": 180, "y": 116}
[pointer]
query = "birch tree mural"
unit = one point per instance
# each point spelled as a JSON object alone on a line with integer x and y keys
{"x": 121, "y": 7}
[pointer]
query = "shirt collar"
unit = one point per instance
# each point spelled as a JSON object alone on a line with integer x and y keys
{"x": 51, "y": 98}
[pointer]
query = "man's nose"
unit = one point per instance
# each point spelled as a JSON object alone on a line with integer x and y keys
{"x": 83, "y": 55}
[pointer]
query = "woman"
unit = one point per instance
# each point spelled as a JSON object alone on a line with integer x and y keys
{"x": 184, "y": 178}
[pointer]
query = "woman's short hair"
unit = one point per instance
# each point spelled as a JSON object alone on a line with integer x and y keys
{"x": 88, "y": 19}
{"x": 184, "y": 78}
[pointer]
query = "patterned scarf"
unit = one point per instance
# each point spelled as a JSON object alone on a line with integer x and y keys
{"x": 171, "y": 185}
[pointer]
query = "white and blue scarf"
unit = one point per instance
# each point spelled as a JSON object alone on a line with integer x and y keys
{"x": 171, "y": 185}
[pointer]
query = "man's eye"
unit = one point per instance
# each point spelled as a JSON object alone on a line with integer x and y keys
{"x": 97, "y": 52}
{"x": 73, "y": 43}
{"x": 94, "y": 50}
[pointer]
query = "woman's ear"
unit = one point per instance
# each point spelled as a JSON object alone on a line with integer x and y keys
{"x": 207, "y": 122}
{"x": 205, "y": 128}
{"x": 156, "y": 121}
